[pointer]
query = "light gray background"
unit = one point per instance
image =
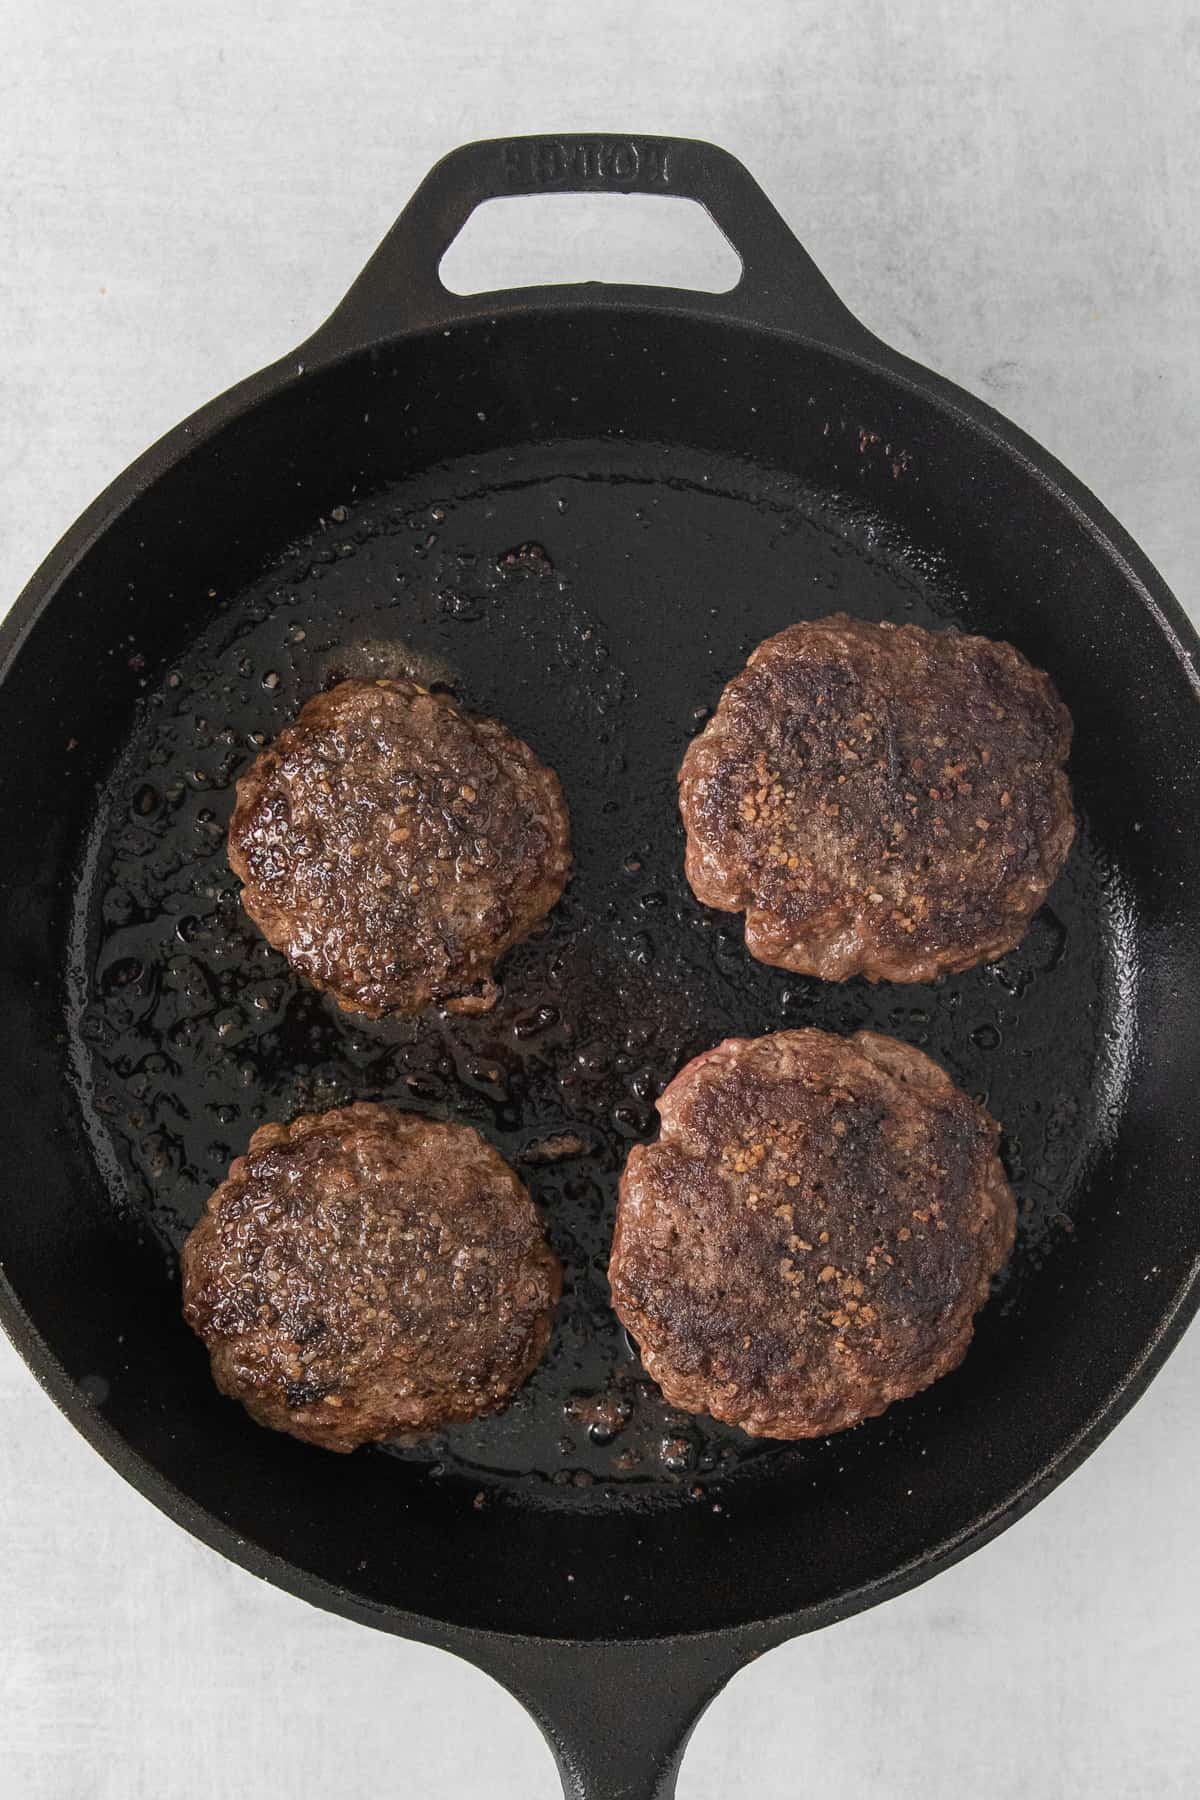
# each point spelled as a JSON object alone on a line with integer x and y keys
{"x": 1008, "y": 192}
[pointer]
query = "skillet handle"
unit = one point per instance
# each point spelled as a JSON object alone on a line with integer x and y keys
{"x": 616, "y": 1716}
{"x": 400, "y": 290}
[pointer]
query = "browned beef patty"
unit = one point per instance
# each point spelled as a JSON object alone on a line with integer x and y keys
{"x": 393, "y": 846}
{"x": 880, "y": 800}
{"x": 811, "y": 1235}
{"x": 368, "y": 1271}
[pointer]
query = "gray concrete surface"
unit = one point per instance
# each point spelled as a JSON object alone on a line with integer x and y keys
{"x": 1009, "y": 192}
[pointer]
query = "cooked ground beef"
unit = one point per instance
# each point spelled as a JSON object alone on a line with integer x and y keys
{"x": 813, "y": 1232}
{"x": 368, "y": 1271}
{"x": 880, "y": 800}
{"x": 394, "y": 847}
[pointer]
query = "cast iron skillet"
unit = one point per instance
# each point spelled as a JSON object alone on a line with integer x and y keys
{"x": 698, "y": 470}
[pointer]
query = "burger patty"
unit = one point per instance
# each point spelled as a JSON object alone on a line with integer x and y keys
{"x": 367, "y": 1271}
{"x": 813, "y": 1232}
{"x": 879, "y": 800}
{"x": 394, "y": 847}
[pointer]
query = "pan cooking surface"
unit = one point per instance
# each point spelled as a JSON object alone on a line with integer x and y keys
{"x": 652, "y": 574}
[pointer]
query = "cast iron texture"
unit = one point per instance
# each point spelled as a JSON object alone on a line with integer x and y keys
{"x": 698, "y": 470}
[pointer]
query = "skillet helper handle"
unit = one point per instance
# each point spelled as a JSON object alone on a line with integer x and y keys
{"x": 400, "y": 289}
{"x": 617, "y": 1716}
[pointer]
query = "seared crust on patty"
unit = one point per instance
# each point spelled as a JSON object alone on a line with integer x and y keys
{"x": 813, "y": 1232}
{"x": 394, "y": 847}
{"x": 367, "y": 1271}
{"x": 879, "y": 800}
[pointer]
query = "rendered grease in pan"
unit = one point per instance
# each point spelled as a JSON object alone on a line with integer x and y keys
{"x": 604, "y": 653}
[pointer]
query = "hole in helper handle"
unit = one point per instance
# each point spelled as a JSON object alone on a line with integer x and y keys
{"x": 626, "y": 239}
{"x": 400, "y": 290}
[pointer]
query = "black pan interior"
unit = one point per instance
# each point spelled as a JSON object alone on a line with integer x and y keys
{"x": 686, "y": 493}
